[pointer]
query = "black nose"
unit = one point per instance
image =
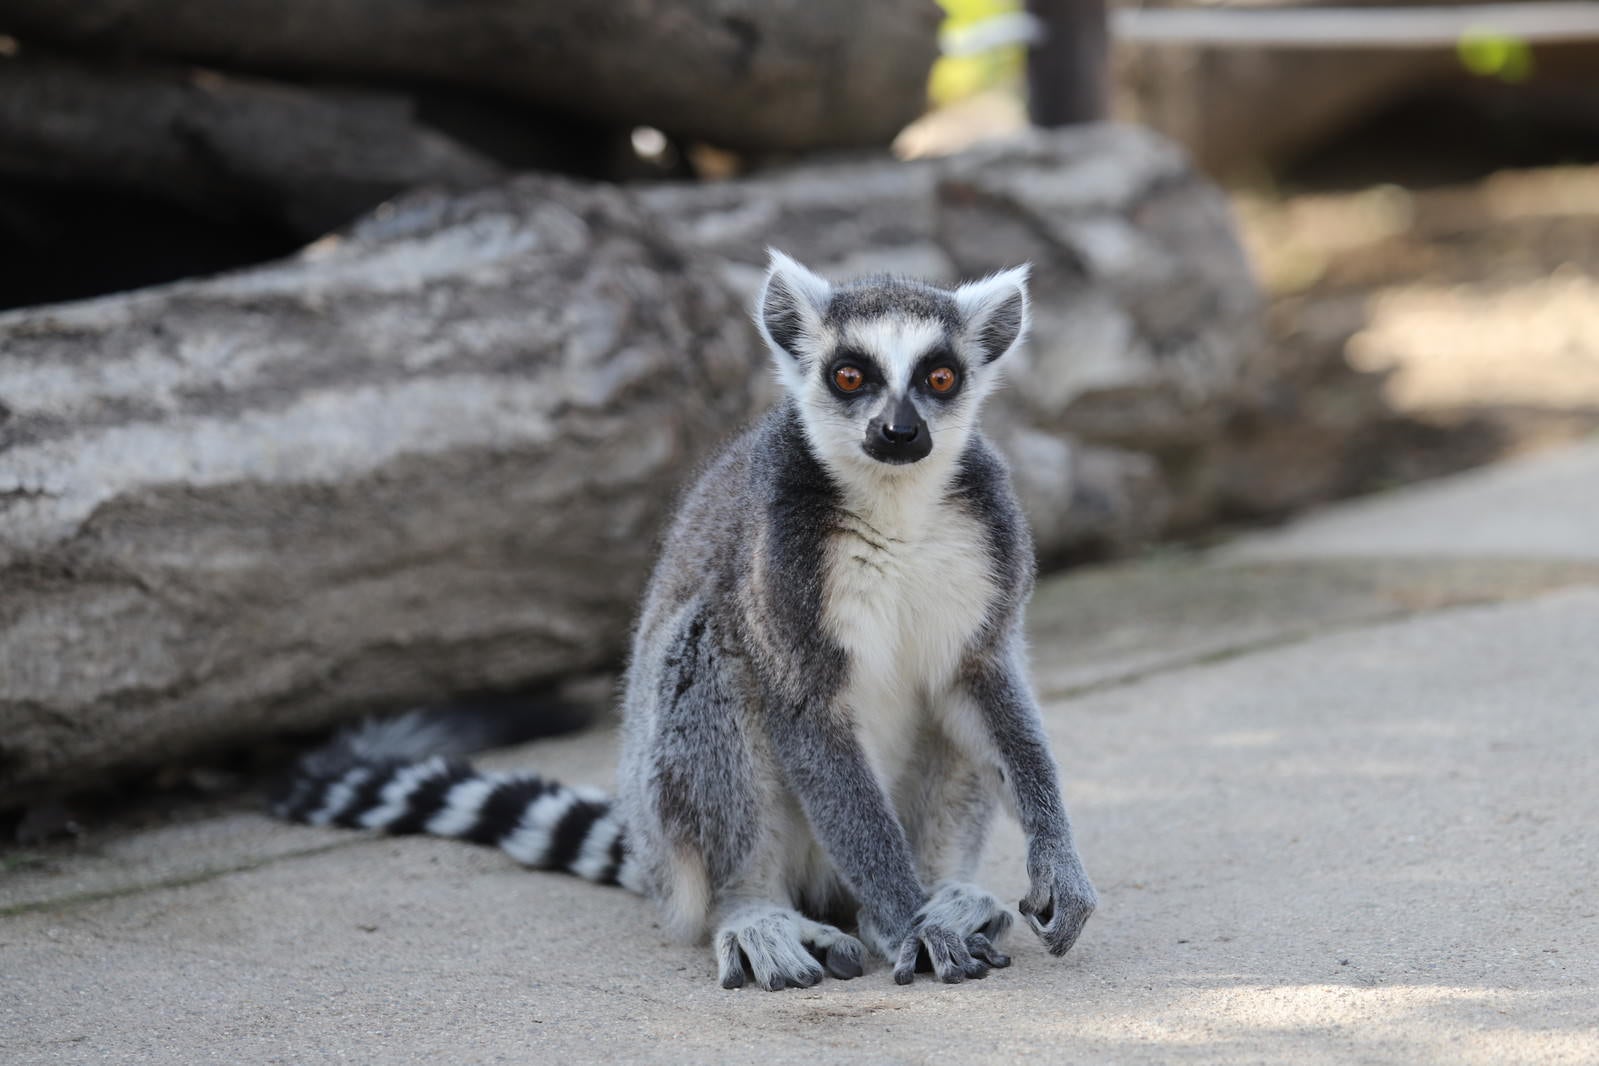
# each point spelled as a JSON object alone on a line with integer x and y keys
{"x": 899, "y": 434}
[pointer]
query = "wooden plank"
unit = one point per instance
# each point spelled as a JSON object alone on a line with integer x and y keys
{"x": 1363, "y": 27}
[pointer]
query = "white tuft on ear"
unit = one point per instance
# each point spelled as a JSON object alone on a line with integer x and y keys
{"x": 789, "y": 308}
{"x": 994, "y": 312}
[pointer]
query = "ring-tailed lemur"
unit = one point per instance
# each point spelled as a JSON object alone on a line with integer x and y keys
{"x": 827, "y": 695}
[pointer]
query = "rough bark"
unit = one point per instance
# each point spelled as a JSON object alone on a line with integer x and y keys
{"x": 431, "y": 455}
{"x": 427, "y": 457}
{"x": 747, "y": 74}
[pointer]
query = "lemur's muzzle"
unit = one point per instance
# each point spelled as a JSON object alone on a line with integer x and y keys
{"x": 900, "y": 436}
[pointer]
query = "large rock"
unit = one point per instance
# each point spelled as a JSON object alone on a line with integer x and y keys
{"x": 749, "y": 74}
{"x": 431, "y": 455}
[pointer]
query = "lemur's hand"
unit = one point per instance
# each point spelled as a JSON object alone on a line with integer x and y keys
{"x": 1061, "y": 897}
{"x": 950, "y": 956}
{"x": 955, "y": 933}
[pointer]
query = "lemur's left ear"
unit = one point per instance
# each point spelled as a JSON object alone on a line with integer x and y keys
{"x": 994, "y": 311}
{"x": 789, "y": 309}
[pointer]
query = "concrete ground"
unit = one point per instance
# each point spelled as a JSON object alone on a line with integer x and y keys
{"x": 1338, "y": 785}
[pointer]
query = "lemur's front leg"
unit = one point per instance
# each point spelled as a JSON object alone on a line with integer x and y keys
{"x": 853, "y": 820}
{"x": 1061, "y": 897}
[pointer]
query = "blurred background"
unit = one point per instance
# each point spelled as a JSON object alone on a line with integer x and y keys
{"x": 1414, "y": 184}
{"x": 353, "y": 351}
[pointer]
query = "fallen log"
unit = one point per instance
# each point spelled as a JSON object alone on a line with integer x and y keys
{"x": 430, "y": 455}
{"x": 307, "y": 160}
{"x": 425, "y": 457}
{"x": 743, "y": 74}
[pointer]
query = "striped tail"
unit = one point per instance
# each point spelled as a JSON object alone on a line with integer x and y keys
{"x": 539, "y": 823}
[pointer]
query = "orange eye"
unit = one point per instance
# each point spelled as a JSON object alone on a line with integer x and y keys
{"x": 848, "y": 378}
{"x": 941, "y": 379}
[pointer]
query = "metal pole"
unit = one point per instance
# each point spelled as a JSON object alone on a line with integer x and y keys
{"x": 1068, "y": 75}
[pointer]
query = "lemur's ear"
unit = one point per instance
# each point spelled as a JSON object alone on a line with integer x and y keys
{"x": 790, "y": 306}
{"x": 994, "y": 311}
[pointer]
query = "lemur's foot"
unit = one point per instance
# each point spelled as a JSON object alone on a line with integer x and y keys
{"x": 956, "y": 935}
{"x": 782, "y": 948}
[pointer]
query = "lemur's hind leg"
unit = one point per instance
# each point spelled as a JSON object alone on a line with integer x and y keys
{"x": 716, "y": 805}
{"x": 762, "y": 933}
{"x": 947, "y": 808}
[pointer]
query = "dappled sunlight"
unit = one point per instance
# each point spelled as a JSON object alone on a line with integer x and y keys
{"x": 1524, "y": 342}
{"x": 1460, "y": 1024}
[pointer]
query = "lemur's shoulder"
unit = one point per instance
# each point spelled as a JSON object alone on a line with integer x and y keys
{"x": 982, "y": 487}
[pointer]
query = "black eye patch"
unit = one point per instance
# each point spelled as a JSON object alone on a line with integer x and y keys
{"x": 871, "y": 375}
{"x": 930, "y": 362}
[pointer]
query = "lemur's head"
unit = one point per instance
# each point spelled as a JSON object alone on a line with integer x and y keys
{"x": 887, "y": 371}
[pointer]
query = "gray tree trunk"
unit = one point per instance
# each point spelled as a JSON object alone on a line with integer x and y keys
{"x": 431, "y": 455}
{"x": 745, "y": 74}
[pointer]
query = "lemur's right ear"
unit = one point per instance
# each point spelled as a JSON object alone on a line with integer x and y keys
{"x": 789, "y": 309}
{"x": 995, "y": 311}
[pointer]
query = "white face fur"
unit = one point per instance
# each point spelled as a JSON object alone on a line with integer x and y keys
{"x": 889, "y": 375}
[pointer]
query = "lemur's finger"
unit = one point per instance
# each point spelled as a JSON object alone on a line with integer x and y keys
{"x": 973, "y": 968}
{"x": 951, "y": 961}
{"x": 1063, "y": 932}
{"x": 729, "y": 962}
{"x": 983, "y": 948}
{"x": 947, "y": 969}
{"x": 775, "y": 960}
{"x": 803, "y": 978}
{"x": 840, "y": 954}
{"x": 1040, "y": 911}
{"x": 844, "y": 960}
{"x": 905, "y": 965}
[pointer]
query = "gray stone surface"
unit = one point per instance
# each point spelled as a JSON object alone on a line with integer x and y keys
{"x": 1542, "y": 506}
{"x": 1374, "y": 846}
{"x": 1338, "y": 813}
{"x": 1108, "y": 626}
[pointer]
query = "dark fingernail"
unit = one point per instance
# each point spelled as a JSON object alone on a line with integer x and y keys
{"x": 903, "y": 977}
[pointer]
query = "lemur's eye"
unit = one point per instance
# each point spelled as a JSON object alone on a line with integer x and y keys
{"x": 848, "y": 378}
{"x": 942, "y": 379}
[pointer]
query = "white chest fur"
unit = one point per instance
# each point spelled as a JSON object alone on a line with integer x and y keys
{"x": 904, "y": 599}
